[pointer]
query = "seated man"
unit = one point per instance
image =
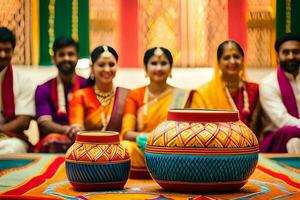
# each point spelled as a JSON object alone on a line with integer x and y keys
{"x": 280, "y": 99}
{"x": 16, "y": 99}
{"x": 52, "y": 99}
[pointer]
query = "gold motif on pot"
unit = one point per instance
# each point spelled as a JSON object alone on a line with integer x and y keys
{"x": 183, "y": 126}
{"x": 205, "y": 136}
{"x": 172, "y": 133}
{"x": 196, "y": 127}
{"x": 96, "y": 153}
{"x": 186, "y": 135}
{"x": 212, "y": 135}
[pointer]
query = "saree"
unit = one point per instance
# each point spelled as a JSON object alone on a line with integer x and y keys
{"x": 212, "y": 95}
{"x": 143, "y": 116}
{"x": 87, "y": 112}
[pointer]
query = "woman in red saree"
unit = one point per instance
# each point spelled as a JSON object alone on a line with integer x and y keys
{"x": 99, "y": 107}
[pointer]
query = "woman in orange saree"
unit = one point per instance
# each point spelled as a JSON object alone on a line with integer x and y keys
{"x": 99, "y": 107}
{"x": 229, "y": 88}
{"x": 148, "y": 106}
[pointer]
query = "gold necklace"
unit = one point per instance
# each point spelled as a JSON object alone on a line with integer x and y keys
{"x": 104, "y": 97}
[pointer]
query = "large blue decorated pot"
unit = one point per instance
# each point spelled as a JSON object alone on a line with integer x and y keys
{"x": 201, "y": 150}
{"x": 97, "y": 161}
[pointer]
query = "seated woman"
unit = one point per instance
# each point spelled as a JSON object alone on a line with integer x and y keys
{"x": 147, "y": 106}
{"x": 99, "y": 107}
{"x": 229, "y": 88}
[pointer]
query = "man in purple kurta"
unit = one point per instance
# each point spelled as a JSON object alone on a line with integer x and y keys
{"x": 280, "y": 99}
{"x": 52, "y": 99}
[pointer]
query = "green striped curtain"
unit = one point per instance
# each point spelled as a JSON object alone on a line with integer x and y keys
{"x": 63, "y": 18}
{"x": 287, "y": 16}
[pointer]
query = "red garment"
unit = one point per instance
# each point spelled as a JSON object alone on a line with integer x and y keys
{"x": 287, "y": 93}
{"x": 55, "y": 141}
{"x": 238, "y": 98}
{"x": 8, "y": 99}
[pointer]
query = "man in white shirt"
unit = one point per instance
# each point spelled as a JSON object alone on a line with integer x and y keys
{"x": 280, "y": 99}
{"x": 16, "y": 99}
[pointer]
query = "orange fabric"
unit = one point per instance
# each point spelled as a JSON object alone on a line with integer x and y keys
{"x": 134, "y": 101}
{"x": 85, "y": 110}
{"x": 211, "y": 95}
{"x": 144, "y": 117}
{"x": 138, "y": 160}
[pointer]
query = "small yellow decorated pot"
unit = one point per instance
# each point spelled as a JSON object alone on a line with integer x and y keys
{"x": 201, "y": 150}
{"x": 97, "y": 161}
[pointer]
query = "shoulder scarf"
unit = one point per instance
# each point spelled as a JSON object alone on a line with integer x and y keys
{"x": 8, "y": 102}
{"x": 287, "y": 93}
{"x": 8, "y": 99}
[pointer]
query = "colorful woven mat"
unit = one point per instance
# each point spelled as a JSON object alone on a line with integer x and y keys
{"x": 43, "y": 176}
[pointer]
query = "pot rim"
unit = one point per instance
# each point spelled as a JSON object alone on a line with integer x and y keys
{"x": 98, "y": 136}
{"x": 203, "y": 115}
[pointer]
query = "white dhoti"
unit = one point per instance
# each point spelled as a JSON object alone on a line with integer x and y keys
{"x": 293, "y": 145}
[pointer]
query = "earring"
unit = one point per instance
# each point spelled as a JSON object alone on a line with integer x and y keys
{"x": 241, "y": 75}
{"x": 146, "y": 75}
{"x": 170, "y": 75}
{"x": 220, "y": 73}
{"x": 92, "y": 76}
